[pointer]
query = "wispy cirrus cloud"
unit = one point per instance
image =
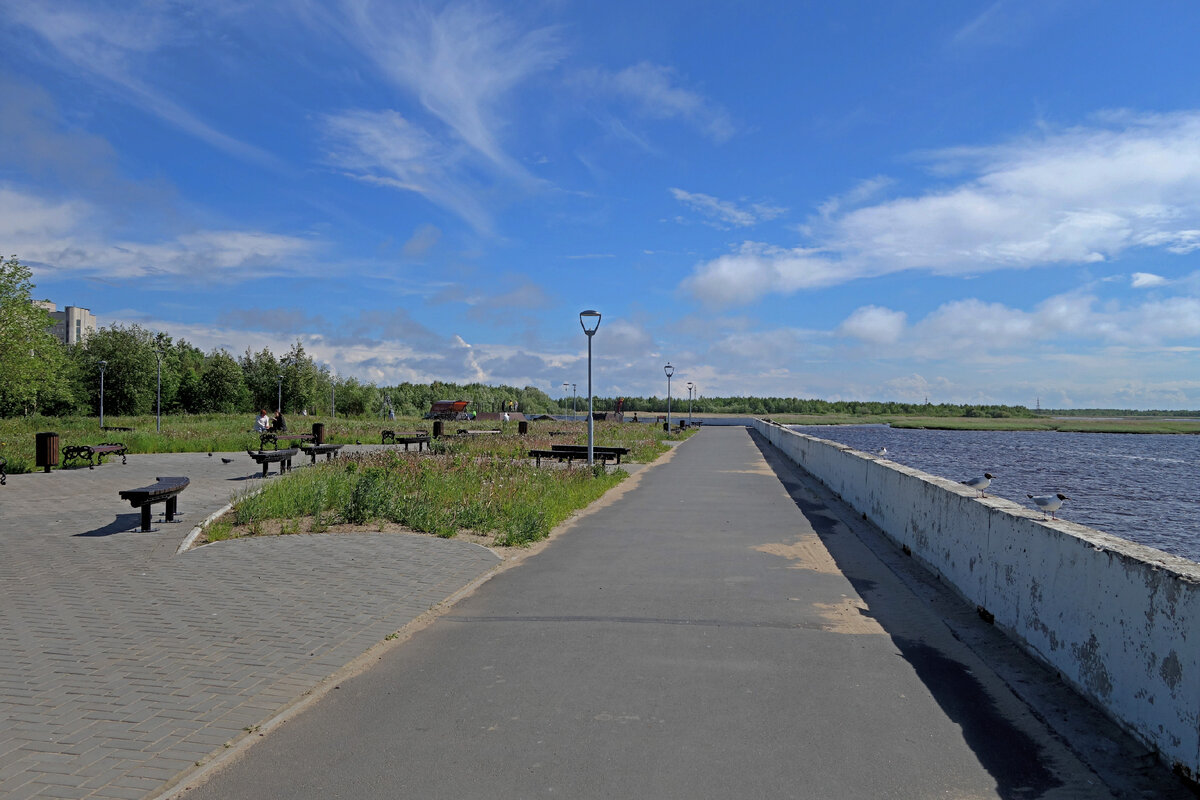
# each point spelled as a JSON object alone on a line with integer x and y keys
{"x": 725, "y": 214}
{"x": 462, "y": 63}
{"x": 653, "y": 91}
{"x": 1070, "y": 197}
{"x": 117, "y": 44}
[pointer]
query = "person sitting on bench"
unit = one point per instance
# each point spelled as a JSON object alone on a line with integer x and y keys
{"x": 279, "y": 424}
{"x": 264, "y": 422}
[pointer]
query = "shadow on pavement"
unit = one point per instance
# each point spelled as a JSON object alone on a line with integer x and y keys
{"x": 122, "y": 524}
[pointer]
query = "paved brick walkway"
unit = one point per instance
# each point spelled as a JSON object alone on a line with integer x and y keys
{"x": 123, "y": 664}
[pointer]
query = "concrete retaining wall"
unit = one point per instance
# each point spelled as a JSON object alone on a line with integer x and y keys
{"x": 1118, "y": 620}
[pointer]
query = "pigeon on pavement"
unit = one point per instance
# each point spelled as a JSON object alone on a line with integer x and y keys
{"x": 980, "y": 483}
{"x": 1048, "y": 502}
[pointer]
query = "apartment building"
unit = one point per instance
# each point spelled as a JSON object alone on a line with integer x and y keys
{"x": 72, "y": 325}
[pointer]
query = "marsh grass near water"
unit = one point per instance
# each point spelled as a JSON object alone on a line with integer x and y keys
{"x": 511, "y": 501}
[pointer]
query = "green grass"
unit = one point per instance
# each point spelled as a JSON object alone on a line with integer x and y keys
{"x": 218, "y": 433}
{"x": 511, "y": 501}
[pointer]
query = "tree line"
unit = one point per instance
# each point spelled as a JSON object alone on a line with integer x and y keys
{"x": 41, "y": 375}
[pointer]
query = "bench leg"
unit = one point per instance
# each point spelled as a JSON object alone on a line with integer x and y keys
{"x": 171, "y": 509}
{"x": 146, "y": 517}
{"x": 265, "y": 463}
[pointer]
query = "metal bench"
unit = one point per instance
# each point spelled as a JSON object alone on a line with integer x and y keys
{"x": 94, "y": 453}
{"x": 581, "y": 449}
{"x": 165, "y": 491}
{"x": 419, "y": 438}
{"x": 273, "y": 437}
{"x": 268, "y": 457}
{"x": 568, "y": 455}
{"x": 327, "y": 450}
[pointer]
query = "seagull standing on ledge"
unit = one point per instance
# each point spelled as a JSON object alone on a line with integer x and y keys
{"x": 980, "y": 483}
{"x": 1048, "y": 502}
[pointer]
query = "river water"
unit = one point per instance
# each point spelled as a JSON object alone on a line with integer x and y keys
{"x": 1141, "y": 487}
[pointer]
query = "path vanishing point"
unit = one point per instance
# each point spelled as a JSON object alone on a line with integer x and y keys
{"x": 717, "y": 627}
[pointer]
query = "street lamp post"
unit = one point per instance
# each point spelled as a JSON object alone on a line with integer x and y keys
{"x": 158, "y": 398}
{"x": 690, "y": 387}
{"x": 103, "y": 365}
{"x": 565, "y": 385}
{"x": 670, "y": 371}
{"x": 591, "y": 318}
{"x": 333, "y": 398}
{"x": 279, "y": 394}
{"x": 574, "y": 405}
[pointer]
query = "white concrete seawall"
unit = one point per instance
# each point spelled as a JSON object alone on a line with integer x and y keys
{"x": 1118, "y": 620}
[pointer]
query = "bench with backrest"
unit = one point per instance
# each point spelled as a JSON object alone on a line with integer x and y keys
{"x": 419, "y": 438}
{"x": 273, "y": 438}
{"x": 569, "y": 456}
{"x": 94, "y": 453}
{"x": 268, "y": 457}
{"x": 314, "y": 450}
{"x": 165, "y": 491}
{"x": 582, "y": 449}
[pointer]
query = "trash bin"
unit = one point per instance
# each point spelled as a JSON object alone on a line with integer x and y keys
{"x": 318, "y": 433}
{"x": 522, "y": 427}
{"x": 437, "y": 428}
{"x": 46, "y": 450}
{"x": 667, "y": 427}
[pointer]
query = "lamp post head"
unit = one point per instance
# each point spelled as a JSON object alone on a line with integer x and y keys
{"x": 589, "y": 320}
{"x": 103, "y": 364}
{"x": 670, "y": 370}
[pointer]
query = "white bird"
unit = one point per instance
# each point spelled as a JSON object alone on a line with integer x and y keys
{"x": 1048, "y": 502}
{"x": 883, "y": 451}
{"x": 980, "y": 483}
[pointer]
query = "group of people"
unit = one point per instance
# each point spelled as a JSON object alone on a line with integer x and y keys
{"x": 266, "y": 423}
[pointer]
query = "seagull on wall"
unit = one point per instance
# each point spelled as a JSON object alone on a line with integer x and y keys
{"x": 980, "y": 483}
{"x": 1048, "y": 502}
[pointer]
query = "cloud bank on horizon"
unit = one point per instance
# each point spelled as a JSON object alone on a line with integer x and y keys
{"x": 888, "y": 206}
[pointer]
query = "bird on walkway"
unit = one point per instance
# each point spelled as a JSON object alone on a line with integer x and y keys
{"x": 210, "y": 455}
{"x": 1048, "y": 502}
{"x": 226, "y": 460}
{"x": 979, "y": 483}
{"x": 883, "y": 451}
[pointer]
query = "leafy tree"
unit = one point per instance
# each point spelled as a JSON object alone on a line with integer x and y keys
{"x": 301, "y": 379}
{"x": 222, "y": 385}
{"x": 261, "y": 373}
{"x": 31, "y": 358}
{"x": 130, "y": 370}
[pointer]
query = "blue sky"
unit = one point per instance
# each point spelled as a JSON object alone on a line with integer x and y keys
{"x": 989, "y": 202}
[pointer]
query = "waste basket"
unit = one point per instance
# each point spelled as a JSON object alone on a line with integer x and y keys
{"x": 437, "y": 428}
{"x": 318, "y": 433}
{"x": 522, "y": 427}
{"x": 46, "y": 450}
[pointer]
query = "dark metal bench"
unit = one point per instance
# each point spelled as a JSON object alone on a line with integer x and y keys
{"x": 419, "y": 438}
{"x": 465, "y": 432}
{"x": 267, "y": 457}
{"x": 314, "y": 450}
{"x": 273, "y": 438}
{"x": 581, "y": 449}
{"x": 165, "y": 491}
{"x": 568, "y": 455}
{"x": 94, "y": 453}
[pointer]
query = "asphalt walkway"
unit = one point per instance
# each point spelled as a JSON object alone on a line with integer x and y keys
{"x": 725, "y": 628}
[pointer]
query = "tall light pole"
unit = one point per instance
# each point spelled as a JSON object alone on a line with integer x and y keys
{"x": 565, "y": 385}
{"x": 333, "y": 397}
{"x": 158, "y": 402}
{"x": 574, "y": 413}
{"x": 591, "y": 318}
{"x": 670, "y": 371}
{"x": 690, "y": 387}
{"x": 279, "y": 395}
{"x": 103, "y": 365}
